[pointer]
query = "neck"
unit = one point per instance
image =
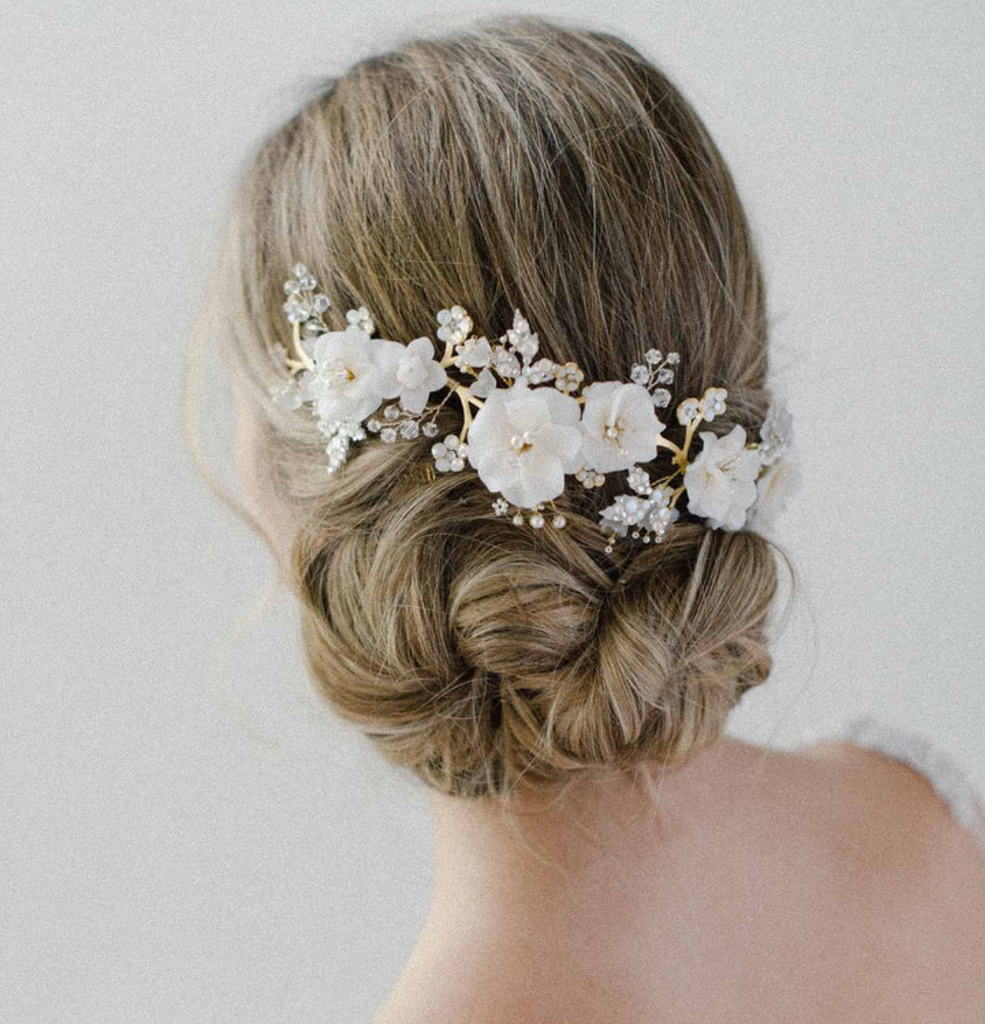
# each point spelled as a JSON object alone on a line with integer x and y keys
{"x": 520, "y": 905}
{"x": 589, "y": 858}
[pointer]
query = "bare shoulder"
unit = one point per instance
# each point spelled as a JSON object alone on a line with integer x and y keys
{"x": 932, "y": 874}
{"x": 914, "y": 824}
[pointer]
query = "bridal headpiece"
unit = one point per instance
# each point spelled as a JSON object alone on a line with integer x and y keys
{"x": 529, "y": 423}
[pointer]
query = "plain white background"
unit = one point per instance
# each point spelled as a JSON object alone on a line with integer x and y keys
{"x": 187, "y": 833}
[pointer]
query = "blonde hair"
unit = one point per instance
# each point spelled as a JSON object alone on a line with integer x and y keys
{"x": 514, "y": 163}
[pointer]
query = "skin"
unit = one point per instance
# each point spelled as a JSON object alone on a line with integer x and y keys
{"x": 754, "y": 884}
{"x": 658, "y": 908}
{"x": 828, "y": 885}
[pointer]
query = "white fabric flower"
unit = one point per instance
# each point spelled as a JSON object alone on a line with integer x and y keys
{"x": 774, "y": 488}
{"x": 506, "y": 364}
{"x": 720, "y": 482}
{"x": 484, "y": 385}
{"x": 777, "y": 428}
{"x": 413, "y": 371}
{"x": 523, "y": 440}
{"x": 350, "y": 378}
{"x": 619, "y": 426}
{"x": 474, "y": 352}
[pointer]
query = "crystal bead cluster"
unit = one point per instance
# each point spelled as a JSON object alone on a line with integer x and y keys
{"x": 527, "y": 422}
{"x": 450, "y": 454}
{"x": 303, "y": 305}
{"x": 656, "y": 370}
{"x": 647, "y": 511}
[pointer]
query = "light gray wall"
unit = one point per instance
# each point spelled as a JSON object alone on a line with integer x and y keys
{"x": 187, "y": 834}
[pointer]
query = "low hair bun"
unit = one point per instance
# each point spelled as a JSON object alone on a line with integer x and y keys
{"x": 482, "y": 655}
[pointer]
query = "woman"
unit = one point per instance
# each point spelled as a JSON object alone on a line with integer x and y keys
{"x": 545, "y": 599}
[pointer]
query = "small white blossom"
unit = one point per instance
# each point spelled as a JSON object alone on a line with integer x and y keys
{"x": 449, "y": 455}
{"x": 774, "y": 488}
{"x": 713, "y": 403}
{"x": 539, "y": 372}
{"x": 650, "y": 515}
{"x": 415, "y": 371}
{"x": 568, "y": 376}
{"x": 483, "y": 385}
{"x": 720, "y": 482}
{"x": 777, "y": 428}
{"x": 474, "y": 352}
{"x": 589, "y": 478}
{"x": 688, "y": 410}
{"x": 613, "y": 526}
{"x": 628, "y": 509}
{"x": 505, "y": 363}
{"x": 455, "y": 324}
{"x": 522, "y": 442}
{"x": 660, "y": 519}
{"x": 360, "y": 319}
{"x": 619, "y": 425}
{"x": 639, "y": 480}
{"x": 350, "y": 377}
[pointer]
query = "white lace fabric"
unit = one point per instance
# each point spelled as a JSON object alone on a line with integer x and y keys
{"x": 947, "y": 773}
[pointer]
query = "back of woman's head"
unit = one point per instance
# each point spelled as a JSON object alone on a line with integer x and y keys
{"x": 515, "y": 164}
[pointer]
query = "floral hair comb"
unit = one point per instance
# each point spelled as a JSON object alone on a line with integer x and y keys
{"x": 527, "y": 424}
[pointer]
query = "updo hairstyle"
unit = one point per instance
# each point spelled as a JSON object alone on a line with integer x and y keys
{"x": 515, "y": 163}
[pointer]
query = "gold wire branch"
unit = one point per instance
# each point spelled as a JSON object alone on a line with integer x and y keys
{"x": 465, "y": 397}
{"x": 303, "y": 361}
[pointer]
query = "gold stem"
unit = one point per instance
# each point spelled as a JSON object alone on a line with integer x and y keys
{"x": 449, "y": 357}
{"x": 464, "y": 397}
{"x": 663, "y": 442}
{"x": 303, "y": 357}
{"x": 691, "y": 428}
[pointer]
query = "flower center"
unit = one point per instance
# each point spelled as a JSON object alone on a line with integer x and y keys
{"x": 613, "y": 432}
{"x": 335, "y": 373}
{"x": 521, "y": 442}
